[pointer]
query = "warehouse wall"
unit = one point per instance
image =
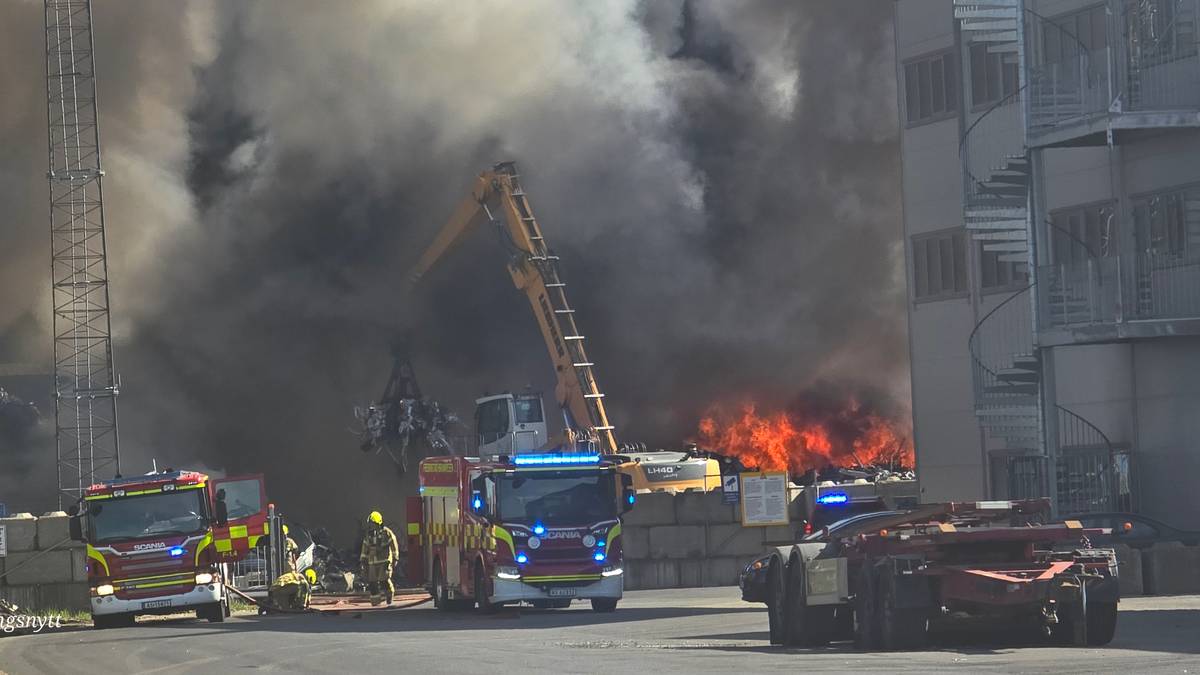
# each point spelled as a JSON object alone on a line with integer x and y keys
{"x": 57, "y": 578}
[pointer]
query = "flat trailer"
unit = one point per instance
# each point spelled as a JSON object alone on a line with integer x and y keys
{"x": 942, "y": 565}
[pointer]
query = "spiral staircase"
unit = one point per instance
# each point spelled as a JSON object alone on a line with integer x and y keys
{"x": 1006, "y": 361}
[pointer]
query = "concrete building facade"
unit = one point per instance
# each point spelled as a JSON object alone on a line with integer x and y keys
{"x": 1051, "y": 181}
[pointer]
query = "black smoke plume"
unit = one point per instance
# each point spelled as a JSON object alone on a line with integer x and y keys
{"x": 719, "y": 178}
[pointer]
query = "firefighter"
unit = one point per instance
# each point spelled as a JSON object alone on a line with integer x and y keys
{"x": 289, "y": 591}
{"x": 379, "y": 553}
{"x": 292, "y": 550}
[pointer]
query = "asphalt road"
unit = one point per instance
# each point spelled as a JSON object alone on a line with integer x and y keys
{"x": 651, "y": 632}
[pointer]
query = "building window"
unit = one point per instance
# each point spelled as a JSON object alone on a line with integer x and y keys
{"x": 1064, "y": 38}
{"x": 1168, "y": 222}
{"x": 1083, "y": 232}
{"x": 1000, "y": 275}
{"x": 1160, "y": 31}
{"x": 930, "y": 90}
{"x": 993, "y": 75}
{"x": 939, "y": 265}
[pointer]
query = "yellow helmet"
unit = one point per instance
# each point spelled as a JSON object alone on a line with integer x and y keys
{"x": 311, "y": 575}
{"x": 376, "y": 517}
{"x": 285, "y": 530}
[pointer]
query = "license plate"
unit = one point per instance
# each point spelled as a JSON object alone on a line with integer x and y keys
{"x": 562, "y": 592}
{"x": 151, "y": 604}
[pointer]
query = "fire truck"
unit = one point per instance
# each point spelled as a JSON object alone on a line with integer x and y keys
{"x": 522, "y": 525}
{"x": 159, "y": 543}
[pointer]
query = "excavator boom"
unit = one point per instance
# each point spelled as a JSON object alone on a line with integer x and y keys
{"x": 497, "y": 196}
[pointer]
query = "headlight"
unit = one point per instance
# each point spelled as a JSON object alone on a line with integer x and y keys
{"x": 104, "y": 589}
{"x": 204, "y": 578}
{"x": 611, "y": 571}
{"x": 508, "y": 573}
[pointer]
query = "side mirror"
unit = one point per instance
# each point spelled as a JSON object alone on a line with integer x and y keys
{"x": 74, "y": 525}
{"x": 628, "y": 499}
{"x": 222, "y": 510}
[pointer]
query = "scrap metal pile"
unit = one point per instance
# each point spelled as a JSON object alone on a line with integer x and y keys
{"x": 403, "y": 421}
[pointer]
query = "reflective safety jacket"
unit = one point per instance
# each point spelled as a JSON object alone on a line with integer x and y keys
{"x": 379, "y": 546}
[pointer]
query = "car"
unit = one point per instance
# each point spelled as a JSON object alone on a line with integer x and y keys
{"x": 753, "y": 578}
{"x": 1134, "y": 530}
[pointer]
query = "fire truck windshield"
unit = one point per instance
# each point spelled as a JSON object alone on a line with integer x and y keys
{"x": 568, "y": 497}
{"x": 161, "y": 514}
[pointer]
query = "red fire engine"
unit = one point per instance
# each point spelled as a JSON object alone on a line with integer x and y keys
{"x": 536, "y": 527}
{"x": 159, "y": 543}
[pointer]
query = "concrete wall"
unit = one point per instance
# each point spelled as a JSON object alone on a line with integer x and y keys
{"x": 37, "y": 575}
{"x": 1167, "y": 373}
{"x": 691, "y": 540}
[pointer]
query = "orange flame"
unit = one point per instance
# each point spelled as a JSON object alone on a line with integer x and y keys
{"x": 807, "y": 437}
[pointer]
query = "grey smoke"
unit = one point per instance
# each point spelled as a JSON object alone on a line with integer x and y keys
{"x": 720, "y": 179}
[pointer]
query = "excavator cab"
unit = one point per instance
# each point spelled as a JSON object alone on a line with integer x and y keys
{"x": 508, "y": 424}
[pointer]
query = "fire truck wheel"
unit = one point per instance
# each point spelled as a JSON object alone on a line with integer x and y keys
{"x": 604, "y": 605}
{"x": 899, "y": 628}
{"x": 481, "y": 598}
{"x": 775, "y": 602}
{"x": 866, "y": 618}
{"x": 214, "y": 612}
{"x": 441, "y": 599}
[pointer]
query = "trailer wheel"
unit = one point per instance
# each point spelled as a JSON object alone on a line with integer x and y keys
{"x": 775, "y": 603}
{"x": 866, "y": 617}
{"x": 1101, "y": 623}
{"x": 803, "y": 625}
{"x": 481, "y": 599}
{"x": 899, "y": 628}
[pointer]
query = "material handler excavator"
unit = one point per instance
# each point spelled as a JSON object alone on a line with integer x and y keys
{"x": 508, "y": 423}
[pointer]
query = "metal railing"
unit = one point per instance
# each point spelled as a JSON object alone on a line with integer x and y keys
{"x": 1008, "y": 336}
{"x": 1070, "y": 89}
{"x": 1092, "y": 476}
{"x": 1130, "y": 287}
{"x": 987, "y": 144}
{"x": 1160, "y": 64}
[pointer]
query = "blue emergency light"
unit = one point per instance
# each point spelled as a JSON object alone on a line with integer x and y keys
{"x": 539, "y": 529}
{"x": 176, "y": 551}
{"x": 555, "y": 458}
{"x": 833, "y": 498}
{"x": 599, "y": 557}
{"x": 522, "y": 558}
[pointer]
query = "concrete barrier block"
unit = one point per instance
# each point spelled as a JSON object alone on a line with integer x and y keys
{"x": 1171, "y": 568}
{"x": 1129, "y": 571}
{"x": 635, "y": 542}
{"x": 644, "y": 575}
{"x": 52, "y": 528}
{"x": 50, "y": 567}
{"x": 69, "y": 596}
{"x": 781, "y": 535}
{"x": 704, "y": 508}
{"x": 723, "y": 571}
{"x": 734, "y": 540}
{"x": 78, "y": 564}
{"x": 691, "y": 573}
{"x": 676, "y": 541}
{"x": 652, "y": 509}
{"x": 21, "y": 532}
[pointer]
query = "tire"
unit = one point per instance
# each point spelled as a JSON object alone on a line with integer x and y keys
{"x": 482, "y": 604}
{"x": 899, "y": 629}
{"x": 1101, "y": 623}
{"x": 803, "y": 626}
{"x": 441, "y": 599}
{"x": 1071, "y": 629}
{"x": 866, "y": 618}
{"x": 604, "y": 605}
{"x": 775, "y": 603}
